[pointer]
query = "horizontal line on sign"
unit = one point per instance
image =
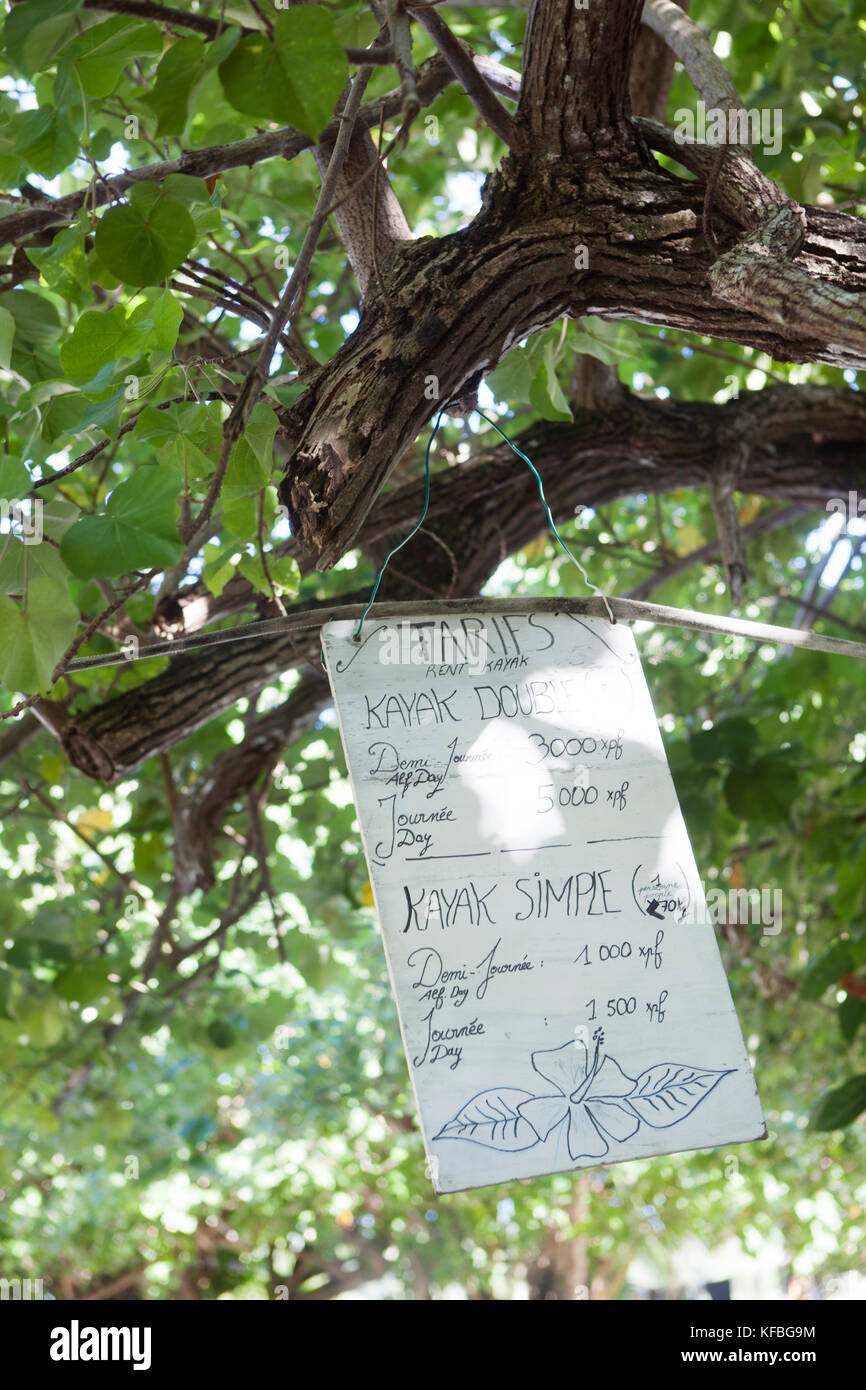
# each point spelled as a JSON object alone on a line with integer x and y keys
{"x": 617, "y": 839}
{"x": 475, "y": 854}
{"x": 530, "y": 849}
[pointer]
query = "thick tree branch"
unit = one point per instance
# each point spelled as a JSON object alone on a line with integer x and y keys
{"x": 760, "y": 269}
{"x": 617, "y": 432}
{"x": 806, "y": 447}
{"x": 689, "y": 43}
{"x": 458, "y": 304}
{"x": 369, "y": 217}
{"x": 449, "y": 310}
{"x": 576, "y": 65}
{"x": 765, "y": 266}
{"x": 204, "y": 804}
{"x": 652, "y": 71}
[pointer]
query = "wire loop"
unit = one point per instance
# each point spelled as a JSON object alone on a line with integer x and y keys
{"x": 356, "y": 636}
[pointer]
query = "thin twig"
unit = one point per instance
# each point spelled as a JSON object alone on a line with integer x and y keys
{"x": 461, "y": 64}
{"x": 257, "y": 376}
{"x": 278, "y": 602}
{"x": 97, "y": 622}
{"x": 373, "y": 237}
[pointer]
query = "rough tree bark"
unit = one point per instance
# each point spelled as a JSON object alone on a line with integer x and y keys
{"x": 790, "y": 281}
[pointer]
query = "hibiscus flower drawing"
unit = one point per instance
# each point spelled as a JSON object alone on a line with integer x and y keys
{"x": 589, "y": 1094}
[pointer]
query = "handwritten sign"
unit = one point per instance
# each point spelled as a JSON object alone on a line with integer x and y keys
{"x": 560, "y": 991}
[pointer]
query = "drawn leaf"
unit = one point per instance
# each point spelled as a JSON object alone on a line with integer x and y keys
{"x": 666, "y": 1093}
{"x": 491, "y": 1118}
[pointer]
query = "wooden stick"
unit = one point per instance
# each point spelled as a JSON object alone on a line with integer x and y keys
{"x": 629, "y": 610}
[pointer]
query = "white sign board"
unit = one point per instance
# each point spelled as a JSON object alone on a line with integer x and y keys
{"x": 560, "y": 991}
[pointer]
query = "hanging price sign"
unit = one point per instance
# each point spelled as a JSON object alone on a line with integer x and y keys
{"x": 559, "y": 986}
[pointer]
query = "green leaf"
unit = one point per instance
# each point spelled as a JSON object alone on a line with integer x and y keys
{"x": 180, "y": 71}
{"x": 731, "y": 740}
{"x": 148, "y": 853}
{"x": 20, "y": 563}
{"x": 827, "y": 970}
{"x": 245, "y": 475}
{"x": 259, "y": 434}
{"x": 138, "y": 530}
{"x": 851, "y": 1014}
{"x": 34, "y": 32}
{"x": 220, "y": 564}
{"x": 221, "y": 1034}
{"x": 546, "y": 395}
{"x": 102, "y": 52}
{"x": 557, "y": 396}
{"x": 44, "y": 1021}
{"x": 764, "y": 792}
{"x": 47, "y": 141}
{"x": 6, "y": 979}
{"x": 83, "y": 983}
{"x": 296, "y": 78}
{"x": 143, "y": 241}
{"x": 35, "y": 634}
{"x": 98, "y": 337}
{"x": 252, "y": 569}
{"x": 104, "y": 413}
{"x": 57, "y": 517}
{"x": 104, "y": 337}
{"x": 23, "y": 555}
{"x": 62, "y": 265}
{"x": 157, "y": 319}
{"x": 285, "y": 573}
{"x": 7, "y": 333}
{"x": 240, "y": 516}
{"x": 14, "y": 479}
{"x": 249, "y": 469}
{"x": 185, "y": 418}
{"x": 839, "y": 1106}
{"x": 511, "y": 380}
{"x": 187, "y": 189}
{"x": 36, "y": 319}
{"x": 186, "y": 458}
{"x": 609, "y": 342}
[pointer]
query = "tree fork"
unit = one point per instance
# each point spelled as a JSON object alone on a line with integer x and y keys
{"x": 582, "y": 179}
